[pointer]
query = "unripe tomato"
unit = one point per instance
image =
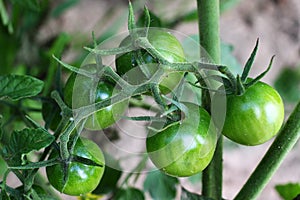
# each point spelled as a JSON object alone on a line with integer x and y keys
{"x": 254, "y": 117}
{"x": 82, "y": 178}
{"x": 184, "y": 148}
{"x": 79, "y": 91}
{"x": 167, "y": 45}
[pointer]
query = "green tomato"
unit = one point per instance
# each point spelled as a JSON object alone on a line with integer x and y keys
{"x": 184, "y": 148}
{"x": 82, "y": 178}
{"x": 167, "y": 45}
{"x": 79, "y": 91}
{"x": 254, "y": 117}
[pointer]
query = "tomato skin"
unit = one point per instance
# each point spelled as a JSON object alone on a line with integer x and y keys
{"x": 254, "y": 117}
{"x": 82, "y": 178}
{"x": 186, "y": 148}
{"x": 77, "y": 93}
{"x": 167, "y": 45}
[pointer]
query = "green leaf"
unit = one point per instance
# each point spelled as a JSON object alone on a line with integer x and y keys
{"x": 24, "y": 141}
{"x": 17, "y": 87}
{"x": 129, "y": 193}
{"x": 288, "y": 84}
{"x": 4, "y": 195}
{"x": 33, "y": 5}
{"x": 288, "y": 191}
{"x": 3, "y": 167}
{"x": 186, "y": 195}
{"x": 160, "y": 186}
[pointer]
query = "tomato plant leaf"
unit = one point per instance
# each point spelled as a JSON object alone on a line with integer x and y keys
{"x": 25, "y": 141}
{"x": 186, "y": 195}
{"x": 3, "y": 167}
{"x": 130, "y": 193}
{"x": 33, "y": 5}
{"x": 160, "y": 186}
{"x": 17, "y": 87}
{"x": 287, "y": 84}
{"x": 4, "y": 195}
{"x": 288, "y": 191}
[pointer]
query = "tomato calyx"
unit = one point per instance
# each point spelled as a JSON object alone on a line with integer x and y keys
{"x": 237, "y": 85}
{"x": 242, "y": 83}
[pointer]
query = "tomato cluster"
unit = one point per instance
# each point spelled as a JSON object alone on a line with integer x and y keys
{"x": 181, "y": 147}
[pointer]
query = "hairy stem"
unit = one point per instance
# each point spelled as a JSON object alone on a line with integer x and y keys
{"x": 208, "y": 12}
{"x": 277, "y": 152}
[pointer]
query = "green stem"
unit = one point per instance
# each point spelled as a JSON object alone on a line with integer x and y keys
{"x": 277, "y": 152}
{"x": 208, "y": 13}
{"x": 113, "y": 51}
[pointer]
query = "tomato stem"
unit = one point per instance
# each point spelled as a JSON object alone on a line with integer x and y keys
{"x": 282, "y": 145}
{"x": 208, "y": 13}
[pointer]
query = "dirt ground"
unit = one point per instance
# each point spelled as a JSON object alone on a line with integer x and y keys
{"x": 275, "y": 22}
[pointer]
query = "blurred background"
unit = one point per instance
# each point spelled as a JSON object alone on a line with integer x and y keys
{"x": 31, "y": 31}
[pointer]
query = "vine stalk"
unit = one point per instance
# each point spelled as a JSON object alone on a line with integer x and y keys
{"x": 208, "y": 13}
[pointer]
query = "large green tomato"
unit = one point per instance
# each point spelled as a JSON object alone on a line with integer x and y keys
{"x": 254, "y": 117}
{"x": 186, "y": 147}
{"x": 79, "y": 91}
{"x": 82, "y": 178}
{"x": 167, "y": 45}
